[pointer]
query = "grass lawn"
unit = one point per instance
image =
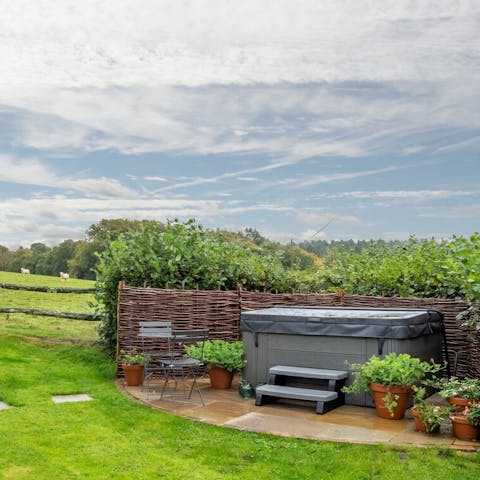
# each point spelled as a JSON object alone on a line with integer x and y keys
{"x": 113, "y": 437}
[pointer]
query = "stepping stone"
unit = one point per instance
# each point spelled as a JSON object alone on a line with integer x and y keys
{"x": 81, "y": 397}
{"x": 4, "y": 406}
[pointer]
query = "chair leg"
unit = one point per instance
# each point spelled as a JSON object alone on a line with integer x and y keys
{"x": 195, "y": 385}
{"x": 167, "y": 377}
{"x": 182, "y": 375}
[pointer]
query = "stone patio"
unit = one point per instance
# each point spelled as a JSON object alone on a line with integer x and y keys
{"x": 348, "y": 423}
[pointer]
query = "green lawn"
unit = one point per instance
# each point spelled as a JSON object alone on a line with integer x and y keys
{"x": 113, "y": 437}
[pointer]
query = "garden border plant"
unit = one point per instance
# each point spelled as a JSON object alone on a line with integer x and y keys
{"x": 394, "y": 372}
{"x": 219, "y": 355}
{"x": 431, "y": 416}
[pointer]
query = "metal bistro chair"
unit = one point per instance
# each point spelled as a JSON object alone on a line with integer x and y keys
{"x": 156, "y": 354}
{"x": 178, "y": 365}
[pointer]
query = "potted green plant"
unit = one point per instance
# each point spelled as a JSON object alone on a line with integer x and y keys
{"x": 390, "y": 379}
{"x": 133, "y": 365}
{"x": 427, "y": 416}
{"x": 466, "y": 423}
{"x": 223, "y": 360}
{"x": 458, "y": 392}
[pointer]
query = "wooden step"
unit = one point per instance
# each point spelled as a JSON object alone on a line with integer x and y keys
{"x": 304, "y": 372}
{"x": 267, "y": 393}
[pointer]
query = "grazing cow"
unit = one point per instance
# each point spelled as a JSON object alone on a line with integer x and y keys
{"x": 25, "y": 271}
{"x": 64, "y": 276}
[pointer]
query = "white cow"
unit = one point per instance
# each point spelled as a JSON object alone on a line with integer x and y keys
{"x": 64, "y": 276}
{"x": 25, "y": 271}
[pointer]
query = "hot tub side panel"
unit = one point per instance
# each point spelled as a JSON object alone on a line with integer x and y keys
{"x": 264, "y": 350}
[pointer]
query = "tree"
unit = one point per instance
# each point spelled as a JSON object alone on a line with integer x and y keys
{"x": 84, "y": 260}
{"x": 5, "y": 255}
{"x": 40, "y": 256}
{"x": 254, "y": 235}
{"x": 59, "y": 256}
{"x": 21, "y": 258}
{"x": 109, "y": 229}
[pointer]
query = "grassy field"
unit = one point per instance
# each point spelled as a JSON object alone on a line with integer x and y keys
{"x": 33, "y": 325}
{"x": 113, "y": 437}
{"x": 43, "y": 280}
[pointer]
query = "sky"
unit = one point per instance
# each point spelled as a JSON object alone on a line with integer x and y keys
{"x": 306, "y": 120}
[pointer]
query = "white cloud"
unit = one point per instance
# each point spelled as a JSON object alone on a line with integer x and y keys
{"x": 314, "y": 120}
{"x": 32, "y": 219}
{"x": 33, "y": 172}
{"x": 467, "y": 210}
{"x": 286, "y": 237}
{"x": 248, "y": 179}
{"x": 26, "y": 171}
{"x": 103, "y": 187}
{"x": 417, "y": 195}
{"x": 27, "y": 230}
{"x": 206, "y": 41}
{"x": 311, "y": 234}
{"x": 413, "y": 149}
{"x": 329, "y": 78}
{"x": 155, "y": 179}
{"x": 322, "y": 219}
{"x": 334, "y": 177}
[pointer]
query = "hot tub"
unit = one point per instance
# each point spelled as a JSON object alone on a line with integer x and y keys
{"x": 332, "y": 338}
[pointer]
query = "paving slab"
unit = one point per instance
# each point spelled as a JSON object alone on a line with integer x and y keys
{"x": 80, "y": 397}
{"x": 279, "y": 425}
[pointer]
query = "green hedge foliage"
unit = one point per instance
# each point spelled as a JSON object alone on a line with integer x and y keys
{"x": 420, "y": 268}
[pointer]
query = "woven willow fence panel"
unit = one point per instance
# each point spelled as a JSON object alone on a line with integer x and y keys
{"x": 220, "y": 312}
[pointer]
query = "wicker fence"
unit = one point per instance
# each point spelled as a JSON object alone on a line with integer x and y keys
{"x": 220, "y": 312}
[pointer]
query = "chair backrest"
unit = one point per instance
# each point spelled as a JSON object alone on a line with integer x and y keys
{"x": 155, "y": 329}
{"x": 187, "y": 337}
{"x": 180, "y": 338}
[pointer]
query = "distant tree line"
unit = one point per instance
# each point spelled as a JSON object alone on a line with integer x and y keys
{"x": 323, "y": 248}
{"x": 80, "y": 258}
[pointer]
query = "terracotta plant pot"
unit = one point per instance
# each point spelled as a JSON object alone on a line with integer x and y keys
{"x": 133, "y": 374}
{"x": 419, "y": 425}
{"x": 458, "y": 402}
{"x": 379, "y": 392}
{"x": 220, "y": 378}
{"x": 462, "y": 430}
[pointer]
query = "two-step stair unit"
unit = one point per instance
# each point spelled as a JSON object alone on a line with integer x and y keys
{"x": 300, "y": 383}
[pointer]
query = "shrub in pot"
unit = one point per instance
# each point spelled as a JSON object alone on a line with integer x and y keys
{"x": 458, "y": 392}
{"x": 427, "y": 416}
{"x": 390, "y": 379}
{"x": 466, "y": 423}
{"x": 133, "y": 365}
{"x": 222, "y": 358}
